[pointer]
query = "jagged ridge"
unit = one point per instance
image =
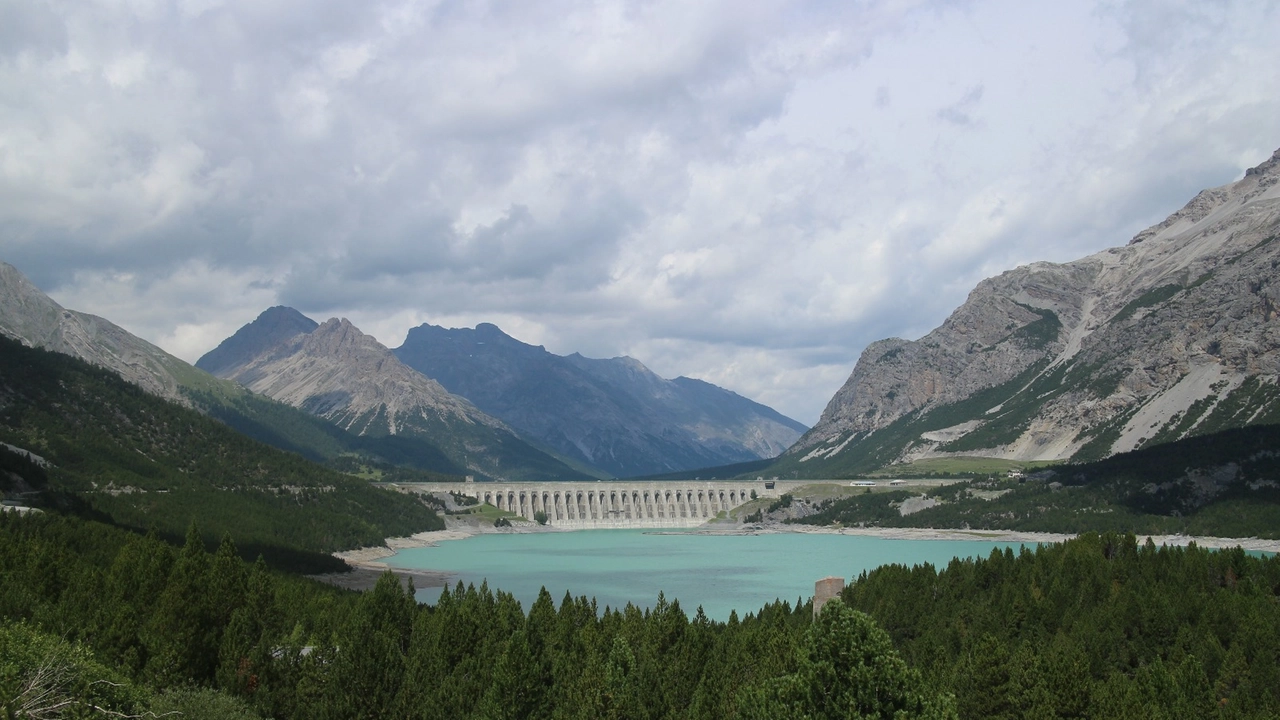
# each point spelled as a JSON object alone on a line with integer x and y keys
{"x": 35, "y": 320}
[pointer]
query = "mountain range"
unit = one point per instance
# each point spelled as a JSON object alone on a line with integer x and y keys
{"x": 606, "y": 417}
{"x": 614, "y": 414}
{"x": 32, "y": 318}
{"x": 327, "y": 390}
{"x": 334, "y": 371}
{"x": 1173, "y": 335}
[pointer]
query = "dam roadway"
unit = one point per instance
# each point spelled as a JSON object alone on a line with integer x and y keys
{"x": 610, "y": 503}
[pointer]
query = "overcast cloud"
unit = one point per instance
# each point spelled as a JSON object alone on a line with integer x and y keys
{"x": 743, "y": 192}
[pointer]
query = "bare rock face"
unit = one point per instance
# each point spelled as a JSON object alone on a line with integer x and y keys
{"x": 339, "y": 373}
{"x": 1174, "y": 334}
{"x": 34, "y": 319}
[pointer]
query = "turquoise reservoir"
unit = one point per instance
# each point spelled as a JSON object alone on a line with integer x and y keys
{"x": 719, "y": 572}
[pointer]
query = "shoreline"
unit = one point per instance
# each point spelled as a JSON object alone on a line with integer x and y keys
{"x": 368, "y": 564}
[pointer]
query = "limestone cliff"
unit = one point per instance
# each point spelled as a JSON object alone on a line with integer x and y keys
{"x": 1174, "y": 334}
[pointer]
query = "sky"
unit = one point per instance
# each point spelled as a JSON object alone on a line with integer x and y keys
{"x": 743, "y": 191}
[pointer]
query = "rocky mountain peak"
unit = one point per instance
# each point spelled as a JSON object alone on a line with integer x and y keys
{"x": 337, "y": 333}
{"x": 614, "y": 414}
{"x": 30, "y": 316}
{"x": 337, "y": 372}
{"x": 273, "y": 327}
{"x": 1270, "y": 166}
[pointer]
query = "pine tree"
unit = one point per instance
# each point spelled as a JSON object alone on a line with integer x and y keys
{"x": 849, "y": 669}
{"x": 181, "y": 636}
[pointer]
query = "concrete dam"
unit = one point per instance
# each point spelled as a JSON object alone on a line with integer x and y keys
{"x": 610, "y": 504}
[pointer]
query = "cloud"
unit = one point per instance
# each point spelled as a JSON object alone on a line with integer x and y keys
{"x": 743, "y": 192}
{"x": 30, "y": 29}
{"x": 961, "y": 111}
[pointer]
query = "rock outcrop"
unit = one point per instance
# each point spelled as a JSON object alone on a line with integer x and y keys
{"x": 1174, "y": 334}
{"x": 614, "y": 414}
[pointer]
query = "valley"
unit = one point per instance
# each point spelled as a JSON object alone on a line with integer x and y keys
{"x": 636, "y": 360}
{"x": 1115, "y": 418}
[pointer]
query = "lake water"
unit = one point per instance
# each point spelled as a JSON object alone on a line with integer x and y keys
{"x": 718, "y": 572}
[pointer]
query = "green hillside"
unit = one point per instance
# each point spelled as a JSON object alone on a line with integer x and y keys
{"x": 1226, "y": 484}
{"x": 142, "y": 462}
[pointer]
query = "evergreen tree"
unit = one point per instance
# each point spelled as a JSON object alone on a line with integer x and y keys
{"x": 849, "y": 670}
{"x": 517, "y": 691}
{"x": 182, "y": 633}
{"x": 370, "y": 656}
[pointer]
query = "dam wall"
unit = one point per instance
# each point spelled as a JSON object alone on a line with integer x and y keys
{"x": 610, "y": 504}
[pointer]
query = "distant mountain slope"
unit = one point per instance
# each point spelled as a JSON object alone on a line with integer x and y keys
{"x": 147, "y": 462}
{"x": 334, "y": 371}
{"x": 613, "y": 414}
{"x": 35, "y": 320}
{"x": 1175, "y": 334}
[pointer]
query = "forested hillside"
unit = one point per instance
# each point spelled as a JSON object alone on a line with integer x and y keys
{"x": 1098, "y": 627}
{"x": 1095, "y": 627}
{"x": 143, "y": 462}
{"x": 1224, "y": 485}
